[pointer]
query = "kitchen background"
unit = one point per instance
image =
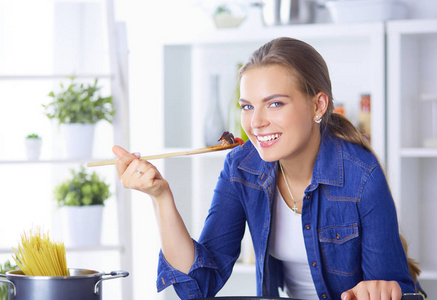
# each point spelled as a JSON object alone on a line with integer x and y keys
{"x": 164, "y": 63}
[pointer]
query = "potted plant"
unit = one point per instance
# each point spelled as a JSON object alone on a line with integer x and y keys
{"x": 228, "y": 16}
{"x": 33, "y": 143}
{"x": 81, "y": 199}
{"x": 7, "y": 266}
{"x": 78, "y": 107}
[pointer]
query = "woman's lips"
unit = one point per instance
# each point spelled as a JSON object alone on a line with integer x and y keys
{"x": 267, "y": 140}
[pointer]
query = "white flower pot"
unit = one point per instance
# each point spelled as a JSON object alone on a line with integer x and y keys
{"x": 82, "y": 225}
{"x": 78, "y": 139}
{"x": 33, "y": 148}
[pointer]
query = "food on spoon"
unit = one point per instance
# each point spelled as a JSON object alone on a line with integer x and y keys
{"x": 239, "y": 141}
{"x": 228, "y": 138}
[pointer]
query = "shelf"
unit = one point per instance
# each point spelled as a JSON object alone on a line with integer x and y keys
{"x": 411, "y": 76}
{"x": 60, "y": 55}
{"x": 78, "y": 249}
{"x": 428, "y": 275}
{"x": 419, "y": 152}
{"x": 49, "y": 161}
{"x": 51, "y": 76}
{"x": 307, "y": 31}
{"x": 428, "y": 97}
{"x": 95, "y": 248}
{"x": 412, "y": 26}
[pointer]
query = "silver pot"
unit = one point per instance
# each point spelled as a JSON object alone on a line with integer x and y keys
{"x": 81, "y": 284}
{"x": 286, "y": 12}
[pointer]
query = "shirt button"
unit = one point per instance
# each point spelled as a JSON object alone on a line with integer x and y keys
{"x": 314, "y": 264}
{"x": 324, "y": 296}
{"x": 307, "y": 196}
{"x": 307, "y": 227}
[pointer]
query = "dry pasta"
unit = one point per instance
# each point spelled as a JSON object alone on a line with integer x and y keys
{"x": 38, "y": 256}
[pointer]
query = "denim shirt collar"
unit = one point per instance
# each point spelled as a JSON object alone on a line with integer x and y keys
{"x": 328, "y": 168}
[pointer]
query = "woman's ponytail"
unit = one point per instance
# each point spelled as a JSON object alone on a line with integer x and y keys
{"x": 343, "y": 128}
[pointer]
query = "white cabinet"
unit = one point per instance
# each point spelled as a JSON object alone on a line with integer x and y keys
{"x": 355, "y": 54}
{"x": 412, "y": 123}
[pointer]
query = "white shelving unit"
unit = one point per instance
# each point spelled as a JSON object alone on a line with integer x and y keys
{"x": 412, "y": 168}
{"x": 119, "y": 250}
{"x": 355, "y": 54}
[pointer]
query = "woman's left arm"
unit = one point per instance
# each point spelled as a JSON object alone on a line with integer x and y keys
{"x": 384, "y": 263}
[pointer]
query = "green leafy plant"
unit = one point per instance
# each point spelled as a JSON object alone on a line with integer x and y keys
{"x": 7, "y": 266}
{"x": 33, "y": 136}
{"x": 222, "y": 9}
{"x": 79, "y": 103}
{"x": 82, "y": 189}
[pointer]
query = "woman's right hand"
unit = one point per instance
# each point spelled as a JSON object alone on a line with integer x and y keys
{"x": 139, "y": 175}
{"x": 177, "y": 245}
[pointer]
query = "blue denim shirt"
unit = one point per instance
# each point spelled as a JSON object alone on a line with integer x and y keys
{"x": 349, "y": 225}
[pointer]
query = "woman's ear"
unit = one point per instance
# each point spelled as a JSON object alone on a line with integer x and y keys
{"x": 320, "y": 106}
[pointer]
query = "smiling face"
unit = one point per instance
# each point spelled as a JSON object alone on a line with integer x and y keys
{"x": 277, "y": 117}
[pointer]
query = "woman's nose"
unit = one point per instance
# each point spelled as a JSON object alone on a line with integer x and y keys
{"x": 259, "y": 119}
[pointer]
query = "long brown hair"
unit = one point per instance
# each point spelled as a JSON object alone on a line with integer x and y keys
{"x": 311, "y": 72}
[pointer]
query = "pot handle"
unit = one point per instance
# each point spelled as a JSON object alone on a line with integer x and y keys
{"x": 5, "y": 280}
{"x": 112, "y": 275}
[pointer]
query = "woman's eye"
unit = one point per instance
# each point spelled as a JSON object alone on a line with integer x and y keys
{"x": 276, "y": 104}
{"x": 246, "y": 107}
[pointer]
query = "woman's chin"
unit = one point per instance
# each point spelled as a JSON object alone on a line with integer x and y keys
{"x": 268, "y": 158}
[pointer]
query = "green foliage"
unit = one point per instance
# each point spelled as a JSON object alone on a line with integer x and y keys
{"x": 3, "y": 286}
{"x": 222, "y": 9}
{"x": 33, "y": 136}
{"x": 82, "y": 189}
{"x": 79, "y": 103}
{"x": 7, "y": 266}
{"x": 235, "y": 106}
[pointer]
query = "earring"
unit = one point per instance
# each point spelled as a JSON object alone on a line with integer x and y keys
{"x": 318, "y": 120}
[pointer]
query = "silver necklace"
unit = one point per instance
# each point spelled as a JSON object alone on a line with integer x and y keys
{"x": 294, "y": 208}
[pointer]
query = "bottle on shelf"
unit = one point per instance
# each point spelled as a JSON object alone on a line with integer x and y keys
{"x": 235, "y": 112}
{"x": 213, "y": 123}
{"x": 254, "y": 17}
{"x": 339, "y": 109}
{"x": 429, "y": 104}
{"x": 364, "y": 124}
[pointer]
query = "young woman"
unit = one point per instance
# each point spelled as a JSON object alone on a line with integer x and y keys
{"x": 316, "y": 200}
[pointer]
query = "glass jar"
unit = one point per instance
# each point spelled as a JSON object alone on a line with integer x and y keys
{"x": 429, "y": 117}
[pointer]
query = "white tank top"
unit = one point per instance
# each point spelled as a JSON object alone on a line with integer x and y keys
{"x": 287, "y": 245}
